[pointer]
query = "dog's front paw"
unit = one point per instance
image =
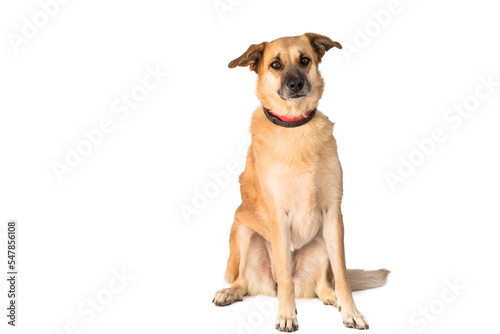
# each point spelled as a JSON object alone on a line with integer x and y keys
{"x": 287, "y": 322}
{"x": 354, "y": 319}
{"x": 226, "y": 297}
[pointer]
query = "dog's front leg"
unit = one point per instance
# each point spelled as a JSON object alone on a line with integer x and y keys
{"x": 333, "y": 233}
{"x": 280, "y": 244}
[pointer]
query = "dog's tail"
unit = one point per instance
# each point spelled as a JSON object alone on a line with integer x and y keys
{"x": 366, "y": 279}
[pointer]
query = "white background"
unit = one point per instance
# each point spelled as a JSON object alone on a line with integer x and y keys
{"x": 119, "y": 209}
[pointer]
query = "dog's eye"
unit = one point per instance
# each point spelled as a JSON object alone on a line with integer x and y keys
{"x": 305, "y": 61}
{"x": 276, "y": 65}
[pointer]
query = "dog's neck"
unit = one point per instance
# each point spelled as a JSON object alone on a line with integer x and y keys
{"x": 289, "y": 114}
{"x": 289, "y": 109}
{"x": 289, "y": 121}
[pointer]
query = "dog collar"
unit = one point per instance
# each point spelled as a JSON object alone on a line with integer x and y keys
{"x": 288, "y": 122}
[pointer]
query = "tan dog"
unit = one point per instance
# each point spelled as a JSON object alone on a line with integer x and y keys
{"x": 288, "y": 233}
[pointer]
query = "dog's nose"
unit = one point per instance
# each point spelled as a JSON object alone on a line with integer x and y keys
{"x": 295, "y": 85}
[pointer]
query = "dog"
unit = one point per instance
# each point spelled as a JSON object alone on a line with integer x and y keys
{"x": 287, "y": 238}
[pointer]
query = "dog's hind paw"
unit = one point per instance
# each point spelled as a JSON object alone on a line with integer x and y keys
{"x": 226, "y": 297}
{"x": 328, "y": 297}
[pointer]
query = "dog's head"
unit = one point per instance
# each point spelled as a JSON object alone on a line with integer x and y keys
{"x": 289, "y": 82}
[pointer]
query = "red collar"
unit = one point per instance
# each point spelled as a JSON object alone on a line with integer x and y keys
{"x": 293, "y": 119}
{"x": 289, "y": 122}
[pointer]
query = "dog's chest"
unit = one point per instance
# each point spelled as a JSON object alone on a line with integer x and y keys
{"x": 296, "y": 197}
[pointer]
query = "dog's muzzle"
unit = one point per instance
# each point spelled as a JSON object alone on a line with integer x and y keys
{"x": 295, "y": 87}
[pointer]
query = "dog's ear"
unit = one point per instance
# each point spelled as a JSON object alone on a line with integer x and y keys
{"x": 321, "y": 43}
{"x": 250, "y": 58}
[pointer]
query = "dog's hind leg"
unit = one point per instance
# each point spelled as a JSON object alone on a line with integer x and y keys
{"x": 259, "y": 273}
{"x": 312, "y": 273}
{"x": 239, "y": 242}
{"x": 233, "y": 262}
{"x": 324, "y": 283}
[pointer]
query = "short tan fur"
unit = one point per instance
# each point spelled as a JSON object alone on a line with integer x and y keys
{"x": 287, "y": 239}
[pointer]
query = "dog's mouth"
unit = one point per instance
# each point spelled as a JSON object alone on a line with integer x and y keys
{"x": 293, "y": 97}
